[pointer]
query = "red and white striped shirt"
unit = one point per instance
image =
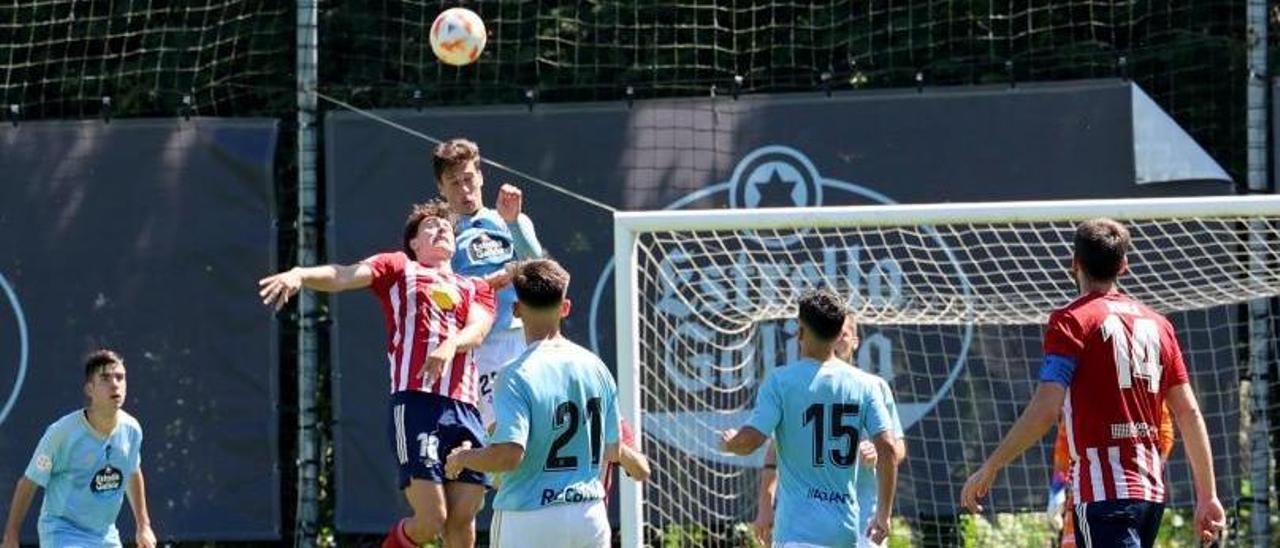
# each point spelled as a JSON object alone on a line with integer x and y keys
{"x": 1126, "y": 359}
{"x": 417, "y": 323}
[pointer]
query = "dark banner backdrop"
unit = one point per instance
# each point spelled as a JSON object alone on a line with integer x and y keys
{"x": 147, "y": 237}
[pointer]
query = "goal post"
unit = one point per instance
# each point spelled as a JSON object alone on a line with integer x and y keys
{"x": 630, "y": 495}
{"x": 954, "y": 296}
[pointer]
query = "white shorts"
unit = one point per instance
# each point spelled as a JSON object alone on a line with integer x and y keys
{"x": 584, "y": 525}
{"x": 500, "y": 347}
{"x": 863, "y": 542}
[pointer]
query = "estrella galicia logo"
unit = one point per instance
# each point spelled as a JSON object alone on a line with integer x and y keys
{"x": 14, "y": 348}
{"x": 106, "y": 481}
{"x": 696, "y": 361}
{"x": 483, "y": 249}
{"x": 775, "y": 177}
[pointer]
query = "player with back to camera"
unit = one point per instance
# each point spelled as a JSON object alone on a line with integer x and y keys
{"x": 557, "y": 425}
{"x": 817, "y": 409}
{"x": 867, "y": 484}
{"x": 1110, "y": 365}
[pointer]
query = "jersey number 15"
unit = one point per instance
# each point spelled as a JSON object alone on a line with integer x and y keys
{"x": 814, "y": 416}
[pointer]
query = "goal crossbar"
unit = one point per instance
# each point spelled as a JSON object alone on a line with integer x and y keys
{"x": 946, "y": 213}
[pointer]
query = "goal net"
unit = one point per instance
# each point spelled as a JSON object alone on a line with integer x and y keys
{"x": 951, "y": 301}
{"x": 69, "y": 59}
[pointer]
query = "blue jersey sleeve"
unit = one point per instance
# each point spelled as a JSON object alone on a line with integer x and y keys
{"x": 611, "y": 428}
{"x": 47, "y": 457}
{"x": 136, "y": 461}
{"x": 891, "y": 405}
{"x": 768, "y": 411}
{"x": 525, "y": 238}
{"x": 875, "y": 414}
{"x": 511, "y": 410}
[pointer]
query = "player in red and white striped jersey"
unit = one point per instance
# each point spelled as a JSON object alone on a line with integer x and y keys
{"x": 1111, "y": 364}
{"x": 434, "y": 319}
{"x": 428, "y": 306}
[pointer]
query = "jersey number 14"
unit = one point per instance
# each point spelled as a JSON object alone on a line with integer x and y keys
{"x": 1137, "y": 355}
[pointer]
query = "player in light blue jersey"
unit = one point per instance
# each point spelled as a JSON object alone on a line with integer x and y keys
{"x": 557, "y": 427}
{"x": 866, "y": 484}
{"x": 487, "y": 241}
{"x": 818, "y": 408}
{"x": 86, "y": 462}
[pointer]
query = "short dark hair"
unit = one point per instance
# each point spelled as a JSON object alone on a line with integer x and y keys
{"x": 540, "y": 283}
{"x": 1100, "y": 248}
{"x": 420, "y": 212}
{"x": 98, "y": 359}
{"x": 823, "y": 313}
{"x": 453, "y": 153}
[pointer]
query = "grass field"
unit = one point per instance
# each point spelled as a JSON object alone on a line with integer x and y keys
{"x": 1027, "y": 530}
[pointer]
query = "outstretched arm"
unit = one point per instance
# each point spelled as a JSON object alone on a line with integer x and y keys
{"x": 633, "y": 462}
{"x": 276, "y": 290}
{"x": 742, "y": 442}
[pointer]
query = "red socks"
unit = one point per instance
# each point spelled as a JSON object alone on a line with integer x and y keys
{"x": 398, "y": 538}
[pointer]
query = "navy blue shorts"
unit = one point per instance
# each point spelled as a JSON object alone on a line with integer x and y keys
{"x": 424, "y": 428}
{"x": 1126, "y": 523}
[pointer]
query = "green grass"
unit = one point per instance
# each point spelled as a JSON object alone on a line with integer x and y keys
{"x": 1012, "y": 530}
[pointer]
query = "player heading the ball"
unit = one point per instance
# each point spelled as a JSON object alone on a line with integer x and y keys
{"x": 434, "y": 319}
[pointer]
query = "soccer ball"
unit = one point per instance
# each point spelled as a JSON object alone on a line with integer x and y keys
{"x": 458, "y": 36}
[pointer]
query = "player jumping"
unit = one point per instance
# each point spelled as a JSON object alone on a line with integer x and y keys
{"x": 434, "y": 318}
{"x": 487, "y": 241}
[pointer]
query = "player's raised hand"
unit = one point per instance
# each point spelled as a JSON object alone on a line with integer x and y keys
{"x": 975, "y": 488}
{"x": 443, "y": 354}
{"x": 276, "y": 290}
{"x": 725, "y": 436}
{"x": 145, "y": 538}
{"x": 1210, "y": 519}
{"x": 510, "y": 202}
{"x": 454, "y": 464}
{"x": 9, "y": 542}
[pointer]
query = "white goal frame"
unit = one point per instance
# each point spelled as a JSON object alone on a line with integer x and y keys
{"x": 629, "y": 225}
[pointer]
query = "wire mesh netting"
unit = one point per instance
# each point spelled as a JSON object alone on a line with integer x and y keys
{"x": 59, "y": 58}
